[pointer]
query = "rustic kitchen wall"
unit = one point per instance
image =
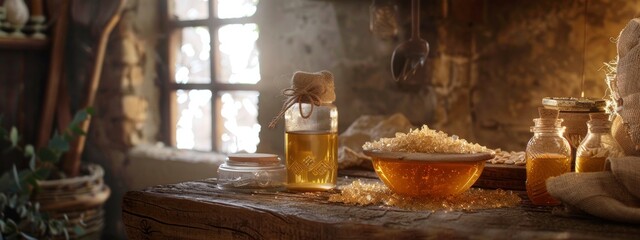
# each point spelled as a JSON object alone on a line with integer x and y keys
{"x": 491, "y": 62}
{"x": 127, "y": 103}
{"x": 316, "y": 35}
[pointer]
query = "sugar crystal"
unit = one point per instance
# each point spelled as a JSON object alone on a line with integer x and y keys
{"x": 375, "y": 193}
{"x": 425, "y": 140}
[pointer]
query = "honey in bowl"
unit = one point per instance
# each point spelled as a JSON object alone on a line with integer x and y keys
{"x": 426, "y": 162}
{"x": 423, "y": 174}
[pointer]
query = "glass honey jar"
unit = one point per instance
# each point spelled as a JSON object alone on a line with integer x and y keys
{"x": 311, "y": 135}
{"x": 548, "y": 155}
{"x": 597, "y": 146}
{"x": 575, "y": 113}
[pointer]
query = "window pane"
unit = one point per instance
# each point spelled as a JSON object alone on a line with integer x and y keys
{"x": 193, "y": 126}
{"x": 193, "y": 56}
{"x": 191, "y": 9}
{"x": 235, "y": 8}
{"x": 239, "y": 113}
{"x": 238, "y": 54}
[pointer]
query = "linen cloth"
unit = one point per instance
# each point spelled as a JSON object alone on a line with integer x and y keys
{"x": 613, "y": 194}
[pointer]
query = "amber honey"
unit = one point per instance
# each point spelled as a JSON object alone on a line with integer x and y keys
{"x": 539, "y": 169}
{"x": 590, "y": 164}
{"x": 311, "y": 160}
{"x": 422, "y": 178}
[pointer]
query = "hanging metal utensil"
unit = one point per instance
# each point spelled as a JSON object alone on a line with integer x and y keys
{"x": 409, "y": 59}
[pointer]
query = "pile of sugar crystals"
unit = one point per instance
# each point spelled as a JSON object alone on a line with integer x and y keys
{"x": 425, "y": 140}
{"x": 375, "y": 193}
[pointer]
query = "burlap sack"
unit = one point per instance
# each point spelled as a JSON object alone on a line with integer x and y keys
{"x": 628, "y": 82}
{"x": 620, "y": 133}
{"x": 613, "y": 194}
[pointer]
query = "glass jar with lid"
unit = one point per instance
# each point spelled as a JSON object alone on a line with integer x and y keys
{"x": 311, "y": 134}
{"x": 548, "y": 155}
{"x": 252, "y": 172}
{"x": 597, "y": 146}
{"x": 575, "y": 112}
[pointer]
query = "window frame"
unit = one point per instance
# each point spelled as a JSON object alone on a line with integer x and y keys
{"x": 168, "y": 45}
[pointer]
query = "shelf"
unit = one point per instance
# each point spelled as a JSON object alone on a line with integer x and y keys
{"x": 23, "y": 43}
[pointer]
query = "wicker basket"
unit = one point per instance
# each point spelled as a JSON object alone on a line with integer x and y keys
{"x": 80, "y": 199}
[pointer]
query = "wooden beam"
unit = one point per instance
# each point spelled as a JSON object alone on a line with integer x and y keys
{"x": 55, "y": 74}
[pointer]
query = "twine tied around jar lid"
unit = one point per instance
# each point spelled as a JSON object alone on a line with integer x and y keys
{"x": 314, "y": 88}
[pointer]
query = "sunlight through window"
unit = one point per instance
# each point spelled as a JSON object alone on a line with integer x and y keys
{"x": 234, "y": 120}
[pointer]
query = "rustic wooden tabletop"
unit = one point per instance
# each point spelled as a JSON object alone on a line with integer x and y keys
{"x": 199, "y": 210}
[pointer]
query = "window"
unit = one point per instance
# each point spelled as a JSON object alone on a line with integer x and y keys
{"x": 212, "y": 68}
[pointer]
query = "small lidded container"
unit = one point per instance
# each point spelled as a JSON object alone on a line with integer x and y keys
{"x": 575, "y": 112}
{"x": 252, "y": 172}
{"x": 548, "y": 155}
{"x": 597, "y": 146}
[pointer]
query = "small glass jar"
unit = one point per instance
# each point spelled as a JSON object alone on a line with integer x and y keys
{"x": 311, "y": 146}
{"x": 252, "y": 172}
{"x": 597, "y": 146}
{"x": 548, "y": 155}
{"x": 575, "y": 112}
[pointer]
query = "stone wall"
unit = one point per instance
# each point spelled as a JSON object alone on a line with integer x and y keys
{"x": 491, "y": 62}
{"x": 316, "y": 35}
{"x": 528, "y": 50}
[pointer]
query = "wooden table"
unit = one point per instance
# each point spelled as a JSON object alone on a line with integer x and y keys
{"x": 199, "y": 210}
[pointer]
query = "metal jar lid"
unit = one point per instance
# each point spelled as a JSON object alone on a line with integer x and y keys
{"x": 571, "y": 104}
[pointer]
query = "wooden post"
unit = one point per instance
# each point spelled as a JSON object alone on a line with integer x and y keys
{"x": 55, "y": 74}
{"x": 71, "y": 165}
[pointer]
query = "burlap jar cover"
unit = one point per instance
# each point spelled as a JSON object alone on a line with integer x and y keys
{"x": 313, "y": 88}
{"x": 615, "y": 193}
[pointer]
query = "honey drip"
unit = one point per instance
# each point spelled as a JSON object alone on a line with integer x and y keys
{"x": 539, "y": 169}
{"x": 373, "y": 193}
{"x": 312, "y": 160}
{"x": 590, "y": 164}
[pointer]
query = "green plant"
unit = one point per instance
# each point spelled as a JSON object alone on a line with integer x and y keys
{"x": 21, "y": 217}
